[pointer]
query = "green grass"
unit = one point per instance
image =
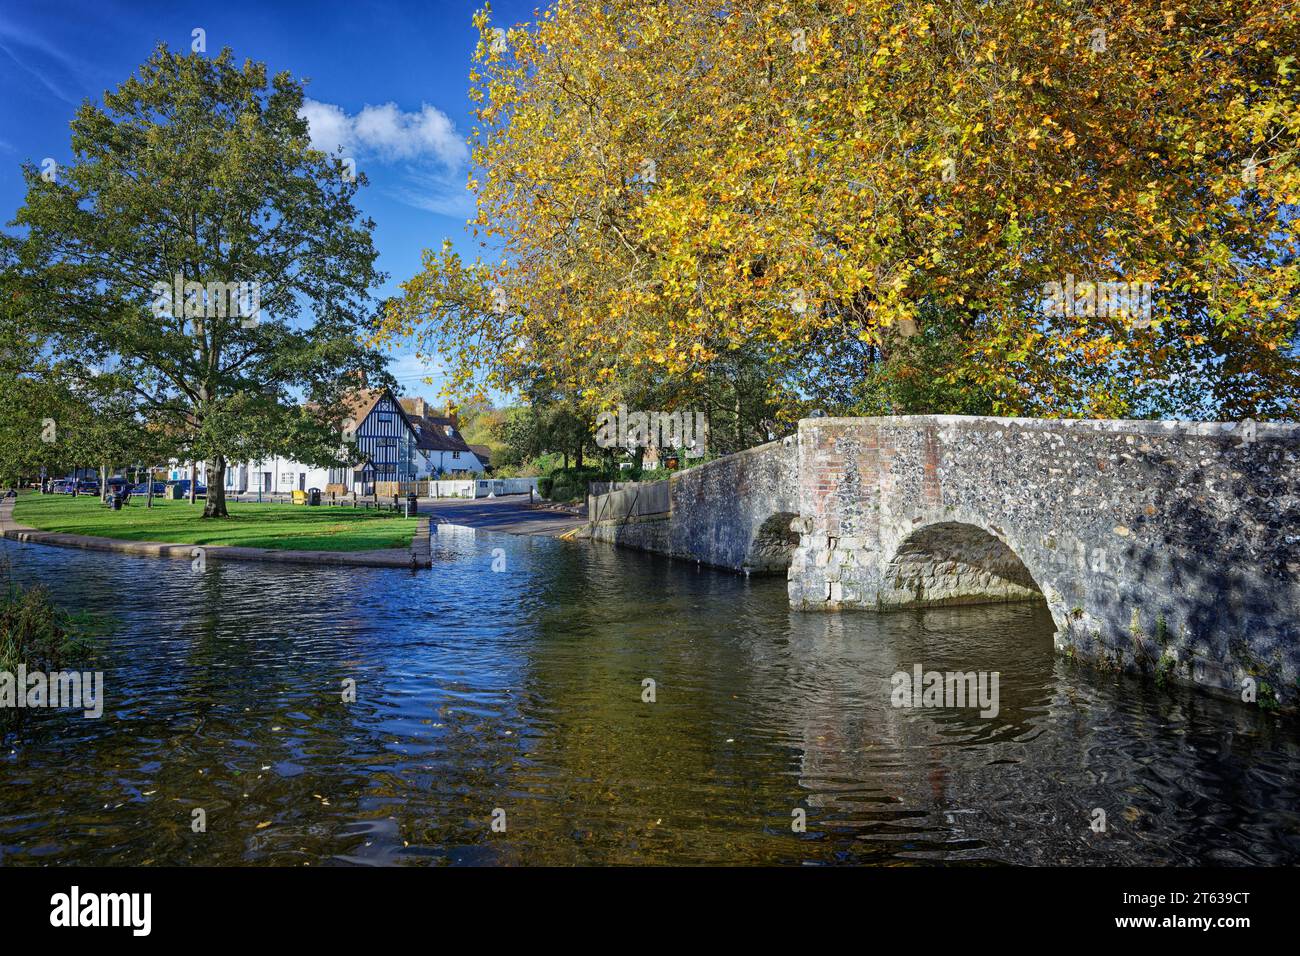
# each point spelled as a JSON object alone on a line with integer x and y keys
{"x": 250, "y": 525}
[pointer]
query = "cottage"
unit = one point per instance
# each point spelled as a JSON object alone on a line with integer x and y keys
{"x": 381, "y": 441}
{"x": 440, "y": 448}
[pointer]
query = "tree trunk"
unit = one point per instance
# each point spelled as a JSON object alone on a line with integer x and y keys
{"x": 194, "y": 482}
{"x": 740, "y": 438}
{"x": 578, "y": 457}
{"x": 215, "y": 507}
{"x": 148, "y": 495}
{"x": 103, "y": 482}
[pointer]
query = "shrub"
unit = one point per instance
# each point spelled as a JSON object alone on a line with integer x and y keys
{"x": 36, "y": 633}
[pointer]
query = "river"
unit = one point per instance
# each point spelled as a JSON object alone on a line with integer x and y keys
{"x": 516, "y": 696}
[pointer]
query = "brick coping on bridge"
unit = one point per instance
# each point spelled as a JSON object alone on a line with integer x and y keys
{"x": 1136, "y": 426}
{"x": 418, "y": 555}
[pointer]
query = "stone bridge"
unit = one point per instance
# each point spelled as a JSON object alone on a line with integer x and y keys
{"x": 1166, "y": 548}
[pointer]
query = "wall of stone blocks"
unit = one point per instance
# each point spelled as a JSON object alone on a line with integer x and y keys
{"x": 728, "y": 513}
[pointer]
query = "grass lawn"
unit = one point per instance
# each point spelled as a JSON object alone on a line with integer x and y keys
{"x": 250, "y": 525}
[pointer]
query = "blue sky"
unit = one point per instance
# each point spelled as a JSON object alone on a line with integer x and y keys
{"x": 387, "y": 79}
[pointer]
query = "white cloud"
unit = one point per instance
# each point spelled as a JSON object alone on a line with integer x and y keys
{"x": 433, "y": 155}
{"x": 386, "y": 133}
{"x": 329, "y": 125}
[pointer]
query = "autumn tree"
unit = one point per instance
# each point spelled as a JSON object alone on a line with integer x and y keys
{"x": 671, "y": 183}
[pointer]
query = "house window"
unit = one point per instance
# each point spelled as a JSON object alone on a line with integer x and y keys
{"x": 455, "y": 454}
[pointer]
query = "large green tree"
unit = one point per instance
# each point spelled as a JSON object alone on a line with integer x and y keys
{"x": 197, "y": 247}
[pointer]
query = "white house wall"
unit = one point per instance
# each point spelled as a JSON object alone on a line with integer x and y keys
{"x": 283, "y": 476}
{"x": 431, "y": 461}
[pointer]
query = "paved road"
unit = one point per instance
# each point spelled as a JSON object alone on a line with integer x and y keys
{"x": 511, "y": 514}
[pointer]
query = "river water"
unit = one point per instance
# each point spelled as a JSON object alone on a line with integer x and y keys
{"x": 516, "y": 695}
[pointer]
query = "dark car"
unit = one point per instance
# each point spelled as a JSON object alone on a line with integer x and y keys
{"x": 200, "y": 491}
{"x": 87, "y": 486}
{"x": 142, "y": 489}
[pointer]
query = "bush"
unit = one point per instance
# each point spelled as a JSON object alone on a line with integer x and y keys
{"x": 39, "y": 635}
{"x": 566, "y": 490}
{"x": 653, "y": 474}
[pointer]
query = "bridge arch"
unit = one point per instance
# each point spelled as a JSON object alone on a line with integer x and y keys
{"x": 772, "y": 545}
{"x": 954, "y": 562}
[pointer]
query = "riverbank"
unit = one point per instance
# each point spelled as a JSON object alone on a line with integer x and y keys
{"x": 302, "y": 537}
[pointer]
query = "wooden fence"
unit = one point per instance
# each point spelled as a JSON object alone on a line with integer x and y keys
{"x": 632, "y": 499}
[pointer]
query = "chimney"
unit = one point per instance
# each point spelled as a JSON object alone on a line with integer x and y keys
{"x": 451, "y": 413}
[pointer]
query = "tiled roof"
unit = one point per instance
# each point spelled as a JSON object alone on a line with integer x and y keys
{"x": 432, "y": 435}
{"x": 357, "y": 405}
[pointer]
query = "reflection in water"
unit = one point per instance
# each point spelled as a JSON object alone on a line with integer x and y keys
{"x": 521, "y": 690}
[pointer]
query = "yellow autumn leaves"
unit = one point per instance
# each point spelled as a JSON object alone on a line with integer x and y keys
{"x": 663, "y": 183}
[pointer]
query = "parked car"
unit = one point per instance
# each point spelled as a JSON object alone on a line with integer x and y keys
{"x": 142, "y": 489}
{"x": 183, "y": 484}
{"x": 87, "y": 486}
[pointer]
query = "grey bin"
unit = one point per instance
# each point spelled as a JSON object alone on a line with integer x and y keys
{"x": 313, "y": 496}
